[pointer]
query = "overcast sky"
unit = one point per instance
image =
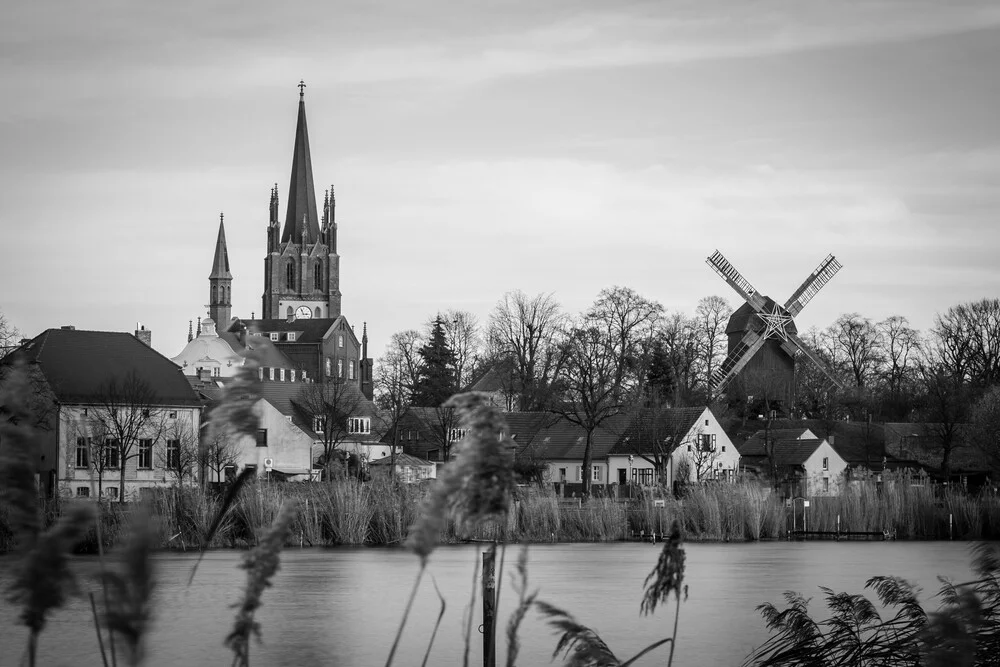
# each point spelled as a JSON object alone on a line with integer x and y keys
{"x": 477, "y": 148}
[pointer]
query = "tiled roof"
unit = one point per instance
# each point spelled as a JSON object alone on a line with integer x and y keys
{"x": 312, "y": 330}
{"x": 636, "y": 429}
{"x": 489, "y": 381}
{"x": 77, "y": 363}
{"x": 402, "y": 460}
{"x": 754, "y": 446}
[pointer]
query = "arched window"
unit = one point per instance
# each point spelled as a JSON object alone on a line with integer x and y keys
{"x": 318, "y": 276}
{"x": 290, "y": 274}
{"x": 290, "y": 312}
{"x": 215, "y": 298}
{"x": 226, "y": 291}
{"x": 319, "y": 313}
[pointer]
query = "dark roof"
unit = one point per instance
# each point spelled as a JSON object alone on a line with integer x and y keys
{"x": 220, "y": 264}
{"x": 635, "y": 429}
{"x": 77, "y": 363}
{"x": 402, "y": 460}
{"x": 301, "y": 191}
{"x": 488, "y": 381}
{"x": 308, "y": 331}
{"x": 920, "y": 441}
{"x": 754, "y": 446}
{"x": 789, "y": 452}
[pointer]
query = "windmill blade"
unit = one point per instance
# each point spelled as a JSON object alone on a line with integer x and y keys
{"x": 801, "y": 347}
{"x": 737, "y": 361}
{"x": 826, "y": 270}
{"x": 736, "y": 280}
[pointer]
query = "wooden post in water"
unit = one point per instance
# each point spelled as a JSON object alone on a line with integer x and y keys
{"x": 489, "y": 609}
{"x": 951, "y": 527}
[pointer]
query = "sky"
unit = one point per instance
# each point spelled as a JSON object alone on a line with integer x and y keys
{"x": 555, "y": 147}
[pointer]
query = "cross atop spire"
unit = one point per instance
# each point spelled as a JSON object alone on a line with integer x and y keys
{"x": 302, "y": 89}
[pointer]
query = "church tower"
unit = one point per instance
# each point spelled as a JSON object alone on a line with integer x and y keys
{"x": 220, "y": 299}
{"x": 302, "y": 268}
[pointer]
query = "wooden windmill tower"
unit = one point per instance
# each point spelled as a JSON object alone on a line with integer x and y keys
{"x": 763, "y": 339}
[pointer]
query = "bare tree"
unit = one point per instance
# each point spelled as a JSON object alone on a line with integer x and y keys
{"x": 654, "y": 434}
{"x": 331, "y": 405}
{"x": 124, "y": 411}
{"x": 965, "y": 340}
{"x": 442, "y": 428}
{"x": 180, "y": 454}
{"x": 984, "y": 428}
{"x": 92, "y": 448}
{"x": 901, "y": 346}
{"x": 523, "y": 345}
{"x": 462, "y": 331}
{"x": 704, "y": 454}
{"x": 946, "y": 402}
{"x": 10, "y": 337}
{"x": 857, "y": 347}
{"x": 219, "y": 452}
{"x": 711, "y": 317}
{"x": 675, "y": 359}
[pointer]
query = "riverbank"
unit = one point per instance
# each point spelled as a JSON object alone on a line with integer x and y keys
{"x": 378, "y": 513}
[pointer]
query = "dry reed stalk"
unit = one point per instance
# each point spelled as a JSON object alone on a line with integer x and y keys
{"x": 261, "y": 563}
{"x": 437, "y": 624}
{"x": 524, "y": 602}
{"x": 128, "y": 609}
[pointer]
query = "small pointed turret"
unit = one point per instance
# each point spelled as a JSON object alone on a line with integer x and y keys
{"x": 190, "y": 331}
{"x": 301, "y": 192}
{"x": 220, "y": 282}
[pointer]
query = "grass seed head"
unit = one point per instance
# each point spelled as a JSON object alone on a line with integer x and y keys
{"x": 668, "y": 575}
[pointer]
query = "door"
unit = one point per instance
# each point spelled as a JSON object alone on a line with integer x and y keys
{"x": 622, "y": 476}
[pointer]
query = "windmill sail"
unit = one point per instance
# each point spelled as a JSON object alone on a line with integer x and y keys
{"x": 826, "y": 270}
{"x": 737, "y": 360}
{"x": 736, "y": 280}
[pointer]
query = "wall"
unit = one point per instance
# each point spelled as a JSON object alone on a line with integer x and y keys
{"x": 815, "y": 474}
{"x": 288, "y": 446}
{"x": 725, "y": 458}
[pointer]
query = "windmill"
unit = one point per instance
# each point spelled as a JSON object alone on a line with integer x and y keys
{"x": 761, "y": 324}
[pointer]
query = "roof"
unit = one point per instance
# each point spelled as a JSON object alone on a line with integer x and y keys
{"x": 220, "y": 263}
{"x": 745, "y": 317}
{"x": 308, "y": 331}
{"x": 635, "y": 429}
{"x": 488, "y": 381}
{"x": 754, "y": 446}
{"x": 402, "y": 460}
{"x": 301, "y": 213}
{"x": 77, "y": 364}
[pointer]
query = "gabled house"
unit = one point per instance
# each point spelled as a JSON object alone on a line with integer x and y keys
{"x": 672, "y": 444}
{"x": 409, "y": 468}
{"x": 800, "y": 463}
{"x": 110, "y": 404}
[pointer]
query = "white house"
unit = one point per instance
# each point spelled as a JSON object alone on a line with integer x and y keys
{"x": 803, "y": 464}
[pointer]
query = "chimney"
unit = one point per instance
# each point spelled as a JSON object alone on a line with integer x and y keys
{"x": 68, "y": 327}
{"x": 831, "y": 438}
{"x": 144, "y": 334}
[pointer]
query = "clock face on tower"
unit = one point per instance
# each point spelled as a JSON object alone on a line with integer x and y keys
{"x": 303, "y": 313}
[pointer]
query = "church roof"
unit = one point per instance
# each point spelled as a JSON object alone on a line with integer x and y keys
{"x": 301, "y": 214}
{"x": 77, "y": 364}
{"x": 220, "y": 264}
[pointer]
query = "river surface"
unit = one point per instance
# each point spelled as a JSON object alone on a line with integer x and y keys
{"x": 342, "y": 606}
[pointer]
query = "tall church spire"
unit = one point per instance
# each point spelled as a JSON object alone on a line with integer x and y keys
{"x": 220, "y": 306}
{"x": 301, "y": 214}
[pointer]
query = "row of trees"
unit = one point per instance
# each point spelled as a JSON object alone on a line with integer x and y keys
{"x": 626, "y": 352}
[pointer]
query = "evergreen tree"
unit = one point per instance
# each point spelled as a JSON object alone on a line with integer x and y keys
{"x": 436, "y": 381}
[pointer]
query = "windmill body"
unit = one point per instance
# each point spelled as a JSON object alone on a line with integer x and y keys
{"x": 763, "y": 342}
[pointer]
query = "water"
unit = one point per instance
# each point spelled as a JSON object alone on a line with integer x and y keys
{"x": 342, "y": 606}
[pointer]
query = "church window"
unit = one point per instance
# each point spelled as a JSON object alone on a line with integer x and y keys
{"x": 340, "y": 340}
{"x": 328, "y": 367}
{"x": 318, "y": 276}
{"x": 290, "y": 313}
{"x": 290, "y": 275}
{"x": 319, "y": 313}
{"x": 340, "y": 368}
{"x": 215, "y": 298}
{"x": 350, "y": 370}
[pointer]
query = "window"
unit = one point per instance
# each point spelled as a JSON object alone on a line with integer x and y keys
{"x": 318, "y": 276}
{"x": 291, "y": 336}
{"x": 562, "y": 474}
{"x": 303, "y": 376}
{"x": 328, "y": 367}
{"x": 595, "y": 473}
{"x": 359, "y": 425}
{"x": 288, "y": 418}
{"x": 319, "y": 313}
{"x": 174, "y": 454}
{"x": 145, "y": 459}
{"x": 455, "y": 434}
{"x": 293, "y": 375}
{"x": 643, "y": 476}
{"x": 290, "y": 313}
{"x": 826, "y": 485}
{"x": 274, "y": 334}
{"x": 579, "y": 473}
{"x": 217, "y": 372}
{"x": 270, "y": 373}
{"x": 706, "y": 442}
{"x": 826, "y": 463}
{"x": 319, "y": 424}
{"x": 290, "y": 275}
{"x": 723, "y": 449}
{"x": 340, "y": 340}
{"x": 172, "y": 414}
{"x": 145, "y": 413}
{"x": 111, "y": 458}
{"x": 250, "y": 466}
{"x": 340, "y": 368}
{"x": 83, "y": 492}
{"x": 85, "y": 414}
{"x": 350, "y": 370}
{"x": 229, "y": 472}
{"x": 433, "y": 454}
{"x": 262, "y": 437}
{"x": 83, "y": 454}
{"x": 706, "y": 422}
{"x": 111, "y": 492}
{"x": 281, "y": 374}
{"x": 260, "y": 373}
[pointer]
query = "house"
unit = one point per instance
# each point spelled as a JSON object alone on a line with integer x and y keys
{"x": 426, "y": 433}
{"x": 919, "y": 443}
{"x": 112, "y": 404}
{"x": 409, "y": 468}
{"x": 803, "y": 464}
{"x": 498, "y": 392}
{"x": 689, "y": 444}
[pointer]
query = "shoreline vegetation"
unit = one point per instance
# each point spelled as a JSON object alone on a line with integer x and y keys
{"x": 345, "y": 512}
